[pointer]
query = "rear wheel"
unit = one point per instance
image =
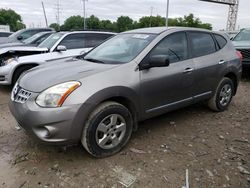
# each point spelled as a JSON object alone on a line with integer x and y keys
{"x": 107, "y": 130}
{"x": 223, "y": 95}
{"x": 19, "y": 71}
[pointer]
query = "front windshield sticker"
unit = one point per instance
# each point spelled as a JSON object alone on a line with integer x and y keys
{"x": 140, "y": 36}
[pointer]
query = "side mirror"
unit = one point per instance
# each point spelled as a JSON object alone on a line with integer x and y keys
{"x": 61, "y": 48}
{"x": 20, "y": 37}
{"x": 155, "y": 61}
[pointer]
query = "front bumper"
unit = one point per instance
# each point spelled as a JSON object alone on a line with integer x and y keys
{"x": 49, "y": 125}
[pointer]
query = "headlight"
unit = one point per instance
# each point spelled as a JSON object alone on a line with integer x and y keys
{"x": 8, "y": 61}
{"x": 55, "y": 96}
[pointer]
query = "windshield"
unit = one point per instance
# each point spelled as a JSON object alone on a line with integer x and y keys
{"x": 50, "y": 41}
{"x": 244, "y": 35}
{"x": 14, "y": 36}
{"x": 33, "y": 38}
{"x": 120, "y": 49}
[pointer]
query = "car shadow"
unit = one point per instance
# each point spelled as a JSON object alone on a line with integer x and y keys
{"x": 246, "y": 74}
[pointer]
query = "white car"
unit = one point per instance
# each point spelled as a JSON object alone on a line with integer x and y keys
{"x": 57, "y": 46}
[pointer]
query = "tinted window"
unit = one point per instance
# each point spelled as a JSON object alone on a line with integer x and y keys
{"x": 221, "y": 40}
{"x": 93, "y": 40}
{"x": 5, "y": 34}
{"x": 201, "y": 44}
{"x": 28, "y": 34}
{"x": 174, "y": 45}
{"x": 73, "y": 41}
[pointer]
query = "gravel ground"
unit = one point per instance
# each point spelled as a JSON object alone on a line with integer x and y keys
{"x": 213, "y": 147}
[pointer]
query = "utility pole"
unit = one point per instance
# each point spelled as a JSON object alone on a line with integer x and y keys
{"x": 151, "y": 13}
{"x": 58, "y": 11}
{"x": 84, "y": 13}
{"x": 167, "y": 12}
{"x": 45, "y": 17}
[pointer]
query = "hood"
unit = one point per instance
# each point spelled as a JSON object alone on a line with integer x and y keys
{"x": 22, "y": 49}
{"x": 43, "y": 77}
{"x": 241, "y": 44}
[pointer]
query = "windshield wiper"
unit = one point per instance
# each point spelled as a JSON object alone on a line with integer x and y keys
{"x": 94, "y": 60}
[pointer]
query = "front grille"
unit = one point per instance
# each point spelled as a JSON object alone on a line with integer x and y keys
{"x": 20, "y": 95}
{"x": 245, "y": 53}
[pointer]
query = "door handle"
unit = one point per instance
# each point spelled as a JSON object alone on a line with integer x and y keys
{"x": 221, "y": 62}
{"x": 188, "y": 70}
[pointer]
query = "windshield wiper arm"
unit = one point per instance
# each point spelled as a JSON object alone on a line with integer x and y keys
{"x": 94, "y": 60}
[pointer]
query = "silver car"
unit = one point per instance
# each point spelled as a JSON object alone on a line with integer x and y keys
{"x": 57, "y": 46}
{"x": 99, "y": 98}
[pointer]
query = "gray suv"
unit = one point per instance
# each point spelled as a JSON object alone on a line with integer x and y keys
{"x": 100, "y": 97}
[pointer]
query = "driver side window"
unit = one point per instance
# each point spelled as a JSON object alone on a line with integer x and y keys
{"x": 174, "y": 46}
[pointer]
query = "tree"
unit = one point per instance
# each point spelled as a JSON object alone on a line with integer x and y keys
{"x": 73, "y": 23}
{"x": 55, "y": 26}
{"x": 189, "y": 21}
{"x": 152, "y": 21}
{"x": 124, "y": 23}
{"x": 11, "y": 18}
{"x": 93, "y": 22}
{"x": 107, "y": 25}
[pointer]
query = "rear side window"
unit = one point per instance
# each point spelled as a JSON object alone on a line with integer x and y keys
{"x": 73, "y": 41}
{"x": 174, "y": 45}
{"x": 220, "y": 40}
{"x": 93, "y": 40}
{"x": 201, "y": 44}
{"x": 5, "y": 34}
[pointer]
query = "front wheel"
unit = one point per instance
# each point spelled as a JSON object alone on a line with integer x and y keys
{"x": 107, "y": 130}
{"x": 223, "y": 95}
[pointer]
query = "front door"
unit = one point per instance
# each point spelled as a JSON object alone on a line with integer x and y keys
{"x": 168, "y": 88}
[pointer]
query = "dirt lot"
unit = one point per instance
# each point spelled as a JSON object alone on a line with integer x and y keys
{"x": 213, "y": 147}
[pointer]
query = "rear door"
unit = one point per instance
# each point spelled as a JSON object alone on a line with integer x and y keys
{"x": 208, "y": 63}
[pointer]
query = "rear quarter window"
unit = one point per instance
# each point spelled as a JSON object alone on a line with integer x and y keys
{"x": 201, "y": 44}
{"x": 220, "y": 40}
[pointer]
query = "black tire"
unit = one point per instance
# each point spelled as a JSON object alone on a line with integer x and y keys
{"x": 215, "y": 103}
{"x": 19, "y": 71}
{"x": 103, "y": 111}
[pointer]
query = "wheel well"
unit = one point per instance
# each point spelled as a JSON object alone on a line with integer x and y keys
{"x": 22, "y": 67}
{"x": 233, "y": 77}
{"x": 128, "y": 104}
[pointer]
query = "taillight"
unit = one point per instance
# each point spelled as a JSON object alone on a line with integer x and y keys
{"x": 239, "y": 55}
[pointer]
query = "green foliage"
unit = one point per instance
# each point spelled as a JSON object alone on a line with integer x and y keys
{"x": 73, "y": 23}
{"x": 11, "y": 18}
{"x": 189, "y": 21}
{"x": 125, "y": 23}
{"x": 55, "y": 26}
{"x": 93, "y": 22}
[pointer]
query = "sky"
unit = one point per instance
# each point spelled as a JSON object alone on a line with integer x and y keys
{"x": 216, "y": 14}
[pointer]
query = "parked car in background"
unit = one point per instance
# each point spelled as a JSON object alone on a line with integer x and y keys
{"x": 35, "y": 40}
{"x": 23, "y": 34}
{"x": 57, "y": 46}
{"x": 5, "y": 34}
{"x": 242, "y": 43}
{"x": 133, "y": 76}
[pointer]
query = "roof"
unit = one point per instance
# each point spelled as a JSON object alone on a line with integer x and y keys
{"x": 159, "y": 30}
